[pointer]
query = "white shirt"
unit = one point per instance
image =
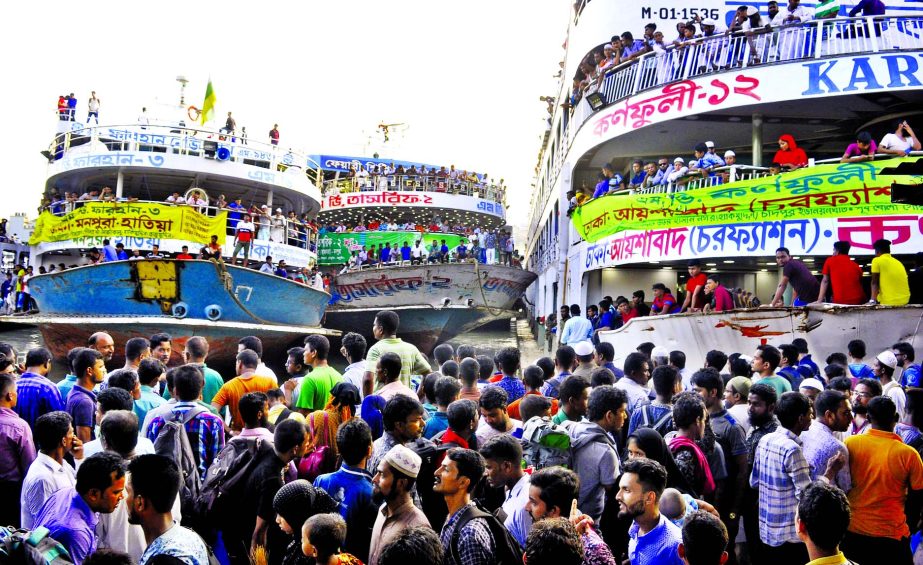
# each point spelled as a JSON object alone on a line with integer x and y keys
{"x": 245, "y": 226}
{"x": 894, "y": 391}
{"x": 354, "y": 373}
{"x": 802, "y": 13}
{"x": 416, "y": 252}
{"x": 318, "y": 282}
{"x": 45, "y": 477}
{"x": 518, "y": 521}
{"x": 894, "y": 142}
{"x": 90, "y": 448}
{"x": 485, "y": 431}
{"x": 267, "y": 268}
{"x": 264, "y": 371}
{"x": 176, "y": 200}
{"x": 741, "y": 413}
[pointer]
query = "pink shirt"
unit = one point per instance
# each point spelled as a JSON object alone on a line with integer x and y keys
{"x": 723, "y": 300}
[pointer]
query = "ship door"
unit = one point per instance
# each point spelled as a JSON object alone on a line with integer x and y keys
{"x": 156, "y": 281}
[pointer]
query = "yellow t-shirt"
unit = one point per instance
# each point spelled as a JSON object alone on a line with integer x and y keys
{"x": 893, "y": 288}
{"x": 882, "y": 469}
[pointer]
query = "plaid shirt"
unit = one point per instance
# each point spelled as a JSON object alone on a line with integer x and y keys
{"x": 475, "y": 542}
{"x": 205, "y": 431}
{"x": 36, "y": 396}
{"x": 781, "y": 474}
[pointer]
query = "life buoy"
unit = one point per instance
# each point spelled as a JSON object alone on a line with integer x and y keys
{"x": 193, "y": 113}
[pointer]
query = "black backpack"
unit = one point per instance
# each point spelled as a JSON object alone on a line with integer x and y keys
{"x": 226, "y": 478}
{"x": 172, "y": 441}
{"x": 508, "y": 551}
{"x": 36, "y": 547}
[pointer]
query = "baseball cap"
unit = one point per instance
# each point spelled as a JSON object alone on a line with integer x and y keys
{"x": 741, "y": 385}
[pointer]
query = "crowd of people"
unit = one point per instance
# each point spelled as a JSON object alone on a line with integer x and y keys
{"x": 467, "y": 459}
{"x": 707, "y": 166}
{"x": 489, "y": 247}
{"x": 397, "y": 177}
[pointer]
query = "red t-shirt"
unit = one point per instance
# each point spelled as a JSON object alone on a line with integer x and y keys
{"x": 698, "y": 280}
{"x": 846, "y": 280}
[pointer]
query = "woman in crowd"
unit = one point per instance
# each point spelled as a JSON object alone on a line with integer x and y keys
{"x": 789, "y": 155}
{"x": 645, "y": 442}
{"x": 323, "y": 424}
{"x": 294, "y": 504}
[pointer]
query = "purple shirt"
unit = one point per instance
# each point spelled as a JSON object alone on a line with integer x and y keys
{"x": 36, "y": 396}
{"x": 17, "y": 451}
{"x": 801, "y": 279}
{"x": 81, "y": 405}
{"x": 855, "y": 151}
{"x": 70, "y": 521}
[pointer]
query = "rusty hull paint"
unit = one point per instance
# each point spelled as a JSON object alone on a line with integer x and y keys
{"x": 826, "y": 328}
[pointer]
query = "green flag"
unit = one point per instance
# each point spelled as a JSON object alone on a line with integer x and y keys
{"x": 208, "y": 107}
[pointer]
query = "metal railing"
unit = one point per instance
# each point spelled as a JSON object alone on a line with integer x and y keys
{"x": 177, "y": 139}
{"x": 292, "y": 232}
{"x": 416, "y": 183}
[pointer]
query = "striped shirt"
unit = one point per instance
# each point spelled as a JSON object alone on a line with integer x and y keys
{"x": 36, "y": 396}
{"x": 780, "y": 473}
{"x": 205, "y": 431}
{"x": 412, "y": 361}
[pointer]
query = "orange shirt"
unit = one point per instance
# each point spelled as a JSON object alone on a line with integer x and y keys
{"x": 232, "y": 391}
{"x": 883, "y": 468}
{"x": 513, "y": 408}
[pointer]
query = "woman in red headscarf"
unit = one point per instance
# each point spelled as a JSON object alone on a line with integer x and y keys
{"x": 789, "y": 155}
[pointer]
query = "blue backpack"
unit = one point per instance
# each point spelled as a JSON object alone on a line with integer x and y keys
{"x": 35, "y": 547}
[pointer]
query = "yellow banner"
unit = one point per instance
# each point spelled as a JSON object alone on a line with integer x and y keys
{"x": 130, "y": 219}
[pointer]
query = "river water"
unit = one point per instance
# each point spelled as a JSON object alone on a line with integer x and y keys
{"x": 486, "y": 340}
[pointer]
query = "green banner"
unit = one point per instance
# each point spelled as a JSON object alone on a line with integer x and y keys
{"x": 824, "y": 191}
{"x": 336, "y": 248}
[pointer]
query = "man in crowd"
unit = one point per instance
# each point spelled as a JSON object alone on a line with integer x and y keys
{"x": 884, "y": 473}
{"x": 90, "y": 369}
{"x": 162, "y": 347}
{"x": 469, "y": 372}
{"x": 797, "y": 273}
{"x": 255, "y": 344}
{"x": 822, "y": 519}
{"x": 766, "y": 360}
{"x": 254, "y": 411}
{"x": 353, "y": 349}
{"x": 17, "y": 452}
{"x": 150, "y": 491}
{"x": 503, "y": 457}
{"x": 316, "y": 386}
{"x": 351, "y": 485}
{"x": 659, "y": 413}
{"x": 652, "y": 538}
{"x": 446, "y": 392}
{"x": 393, "y": 482}
{"x": 36, "y": 395}
{"x": 49, "y": 473}
{"x": 634, "y": 383}
{"x": 102, "y": 342}
{"x": 509, "y": 364}
{"x": 890, "y": 285}
{"x": 695, "y": 288}
{"x": 384, "y": 330}
{"x": 473, "y": 543}
{"x": 296, "y": 370}
{"x": 585, "y": 364}
{"x": 911, "y": 373}
{"x": 494, "y": 418}
{"x": 843, "y": 275}
{"x": 596, "y": 459}
{"x": 704, "y": 537}
{"x": 246, "y": 381}
{"x": 150, "y": 372}
{"x": 565, "y": 359}
{"x": 761, "y": 401}
{"x": 577, "y": 328}
{"x": 572, "y": 400}
{"x": 402, "y": 418}
{"x": 195, "y": 353}
{"x": 832, "y": 413}
{"x": 70, "y": 513}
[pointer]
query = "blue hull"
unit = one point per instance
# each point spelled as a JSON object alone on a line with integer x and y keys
{"x": 181, "y": 289}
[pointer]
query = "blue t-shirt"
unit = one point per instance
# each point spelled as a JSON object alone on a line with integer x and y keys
{"x": 606, "y": 321}
{"x": 863, "y": 371}
{"x": 385, "y": 254}
{"x": 81, "y": 405}
{"x": 438, "y": 422}
{"x": 911, "y": 376}
{"x": 351, "y": 487}
{"x": 405, "y": 253}
{"x": 444, "y": 250}
{"x": 462, "y": 251}
{"x": 601, "y": 188}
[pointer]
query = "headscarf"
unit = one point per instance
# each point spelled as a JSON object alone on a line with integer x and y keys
{"x": 299, "y": 500}
{"x": 372, "y": 405}
{"x": 794, "y": 155}
{"x": 655, "y": 448}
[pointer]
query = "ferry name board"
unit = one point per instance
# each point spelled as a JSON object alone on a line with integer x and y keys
{"x": 336, "y": 248}
{"x": 823, "y": 191}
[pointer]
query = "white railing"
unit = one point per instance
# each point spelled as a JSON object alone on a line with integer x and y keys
{"x": 429, "y": 182}
{"x": 177, "y": 139}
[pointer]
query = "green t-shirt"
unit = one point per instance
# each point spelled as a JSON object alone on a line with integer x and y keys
{"x": 412, "y": 361}
{"x": 561, "y": 417}
{"x": 315, "y": 388}
{"x": 213, "y": 383}
{"x": 781, "y": 384}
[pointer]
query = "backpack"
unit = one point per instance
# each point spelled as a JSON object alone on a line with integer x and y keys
{"x": 545, "y": 444}
{"x": 36, "y": 547}
{"x": 508, "y": 551}
{"x": 173, "y": 442}
{"x": 227, "y": 476}
{"x": 662, "y": 426}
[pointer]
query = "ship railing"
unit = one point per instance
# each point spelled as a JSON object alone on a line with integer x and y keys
{"x": 815, "y": 39}
{"x": 177, "y": 139}
{"x": 416, "y": 183}
{"x": 294, "y": 233}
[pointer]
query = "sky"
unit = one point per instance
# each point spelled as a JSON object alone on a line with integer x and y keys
{"x": 465, "y": 77}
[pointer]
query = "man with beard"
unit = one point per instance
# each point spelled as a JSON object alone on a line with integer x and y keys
{"x": 762, "y": 400}
{"x": 832, "y": 413}
{"x": 393, "y": 482}
{"x": 151, "y": 489}
{"x": 652, "y": 538}
{"x": 866, "y": 390}
{"x": 402, "y": 418}
{"x": 494, "y": 418}
{"x": 596, "y": 459}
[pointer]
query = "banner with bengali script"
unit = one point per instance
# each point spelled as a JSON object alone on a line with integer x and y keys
{"x": 336, "y": 248}
{"x": 823, "y": 191}
{"x": 129, "y": 219}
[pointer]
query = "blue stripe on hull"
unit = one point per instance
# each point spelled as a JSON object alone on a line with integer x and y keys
{"x": 114, "y": 289}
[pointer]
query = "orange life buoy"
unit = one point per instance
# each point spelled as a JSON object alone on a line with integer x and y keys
{"x": 193, "y": 113}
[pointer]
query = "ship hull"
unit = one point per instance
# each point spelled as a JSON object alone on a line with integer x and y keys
{"x": 180, "y": 289}
{"x": 435, "y": 302}
{"x": 827, "y": 329}
{"x": 62, "y": 333}
{"x": 423, "y": 326}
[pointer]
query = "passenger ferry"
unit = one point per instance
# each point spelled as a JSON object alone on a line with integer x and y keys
{"x": 741, "y": 86}
{"x": 160, "y": 190}
{"x": 373, "y": 203}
